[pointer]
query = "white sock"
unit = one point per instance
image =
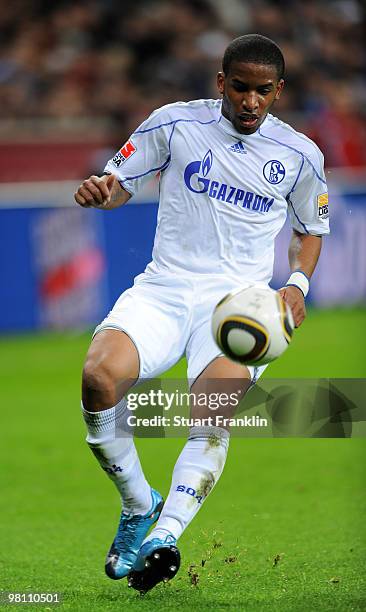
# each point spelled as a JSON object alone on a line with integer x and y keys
{"x": 111, "y": 441}
{"x": 196, "y": 472}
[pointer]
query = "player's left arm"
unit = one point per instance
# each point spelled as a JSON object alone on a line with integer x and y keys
{"x": 309, "y": 216}
{"x": 303, "y": 254}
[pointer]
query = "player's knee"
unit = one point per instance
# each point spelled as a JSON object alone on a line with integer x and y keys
{"x": 99, "y": 385}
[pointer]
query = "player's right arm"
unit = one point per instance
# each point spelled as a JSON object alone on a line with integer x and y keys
{"x": 103, "y": 192}
{"x": 146, "y": 153}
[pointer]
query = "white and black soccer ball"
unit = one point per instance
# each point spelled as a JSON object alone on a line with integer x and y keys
{"x": 253, "y": 326}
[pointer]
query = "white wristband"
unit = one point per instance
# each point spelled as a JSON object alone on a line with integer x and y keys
{"x": 300, "y": 280}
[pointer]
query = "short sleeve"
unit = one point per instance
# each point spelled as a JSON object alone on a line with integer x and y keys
{"x": 145, "y": 153}
{"x": 308, "y": 199}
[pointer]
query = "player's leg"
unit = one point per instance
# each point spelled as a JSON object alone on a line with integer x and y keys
{"x": 203, "y": 457}
{"x": 144, "y": 334}
{"x": 111, "y": 367}
{"x": 197, "y": 470}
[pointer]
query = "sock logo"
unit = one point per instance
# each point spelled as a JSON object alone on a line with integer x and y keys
{"x": 112, "y": 470}
{"x": 189, "y": 491}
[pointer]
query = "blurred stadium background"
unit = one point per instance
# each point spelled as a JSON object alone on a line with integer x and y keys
{"x": 75, "y": 81}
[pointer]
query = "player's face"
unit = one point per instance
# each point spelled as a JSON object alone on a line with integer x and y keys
{"x": 248, "y": 91}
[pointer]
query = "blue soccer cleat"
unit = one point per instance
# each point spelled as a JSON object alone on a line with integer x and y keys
{"x": 132, "y": 530}
{"x": 157, "y": 561}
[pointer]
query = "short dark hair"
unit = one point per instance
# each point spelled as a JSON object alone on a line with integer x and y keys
{"x": 256, "y": 49}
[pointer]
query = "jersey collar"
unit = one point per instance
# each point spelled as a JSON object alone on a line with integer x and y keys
{"x": 228, "y": 127}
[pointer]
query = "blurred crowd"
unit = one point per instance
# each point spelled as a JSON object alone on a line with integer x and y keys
{"x": 116, "y": 60}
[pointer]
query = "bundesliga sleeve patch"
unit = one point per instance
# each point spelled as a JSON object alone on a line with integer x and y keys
{"x": 323, "y": 209}
{"x": 124, "y": 153}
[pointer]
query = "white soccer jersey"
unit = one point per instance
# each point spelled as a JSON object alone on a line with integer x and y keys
{"x": 224, "y": 196}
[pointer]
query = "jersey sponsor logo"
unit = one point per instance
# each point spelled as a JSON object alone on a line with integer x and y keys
{"x": 124, "y": 153}
{"x": 274, "y": 172}
{"x": 238, "y": 147}
{"x": 195, "y": 178}
{"x": 323, "y": 208}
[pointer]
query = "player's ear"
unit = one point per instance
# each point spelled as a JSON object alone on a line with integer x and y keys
{"x": 280, "y": 86}
{"x": 221, "y": 82}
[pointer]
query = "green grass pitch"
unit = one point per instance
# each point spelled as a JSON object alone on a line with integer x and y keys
{"x": 283, "y": 530}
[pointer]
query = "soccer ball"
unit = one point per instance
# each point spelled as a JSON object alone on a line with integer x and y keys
{"x": 253, "y": 325}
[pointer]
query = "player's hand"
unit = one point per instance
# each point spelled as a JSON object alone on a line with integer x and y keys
{"x": 295, "y": 299}
{"x": 96, "y": 191}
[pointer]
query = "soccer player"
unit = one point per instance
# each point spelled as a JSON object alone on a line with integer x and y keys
{"x": 230, "y": 172}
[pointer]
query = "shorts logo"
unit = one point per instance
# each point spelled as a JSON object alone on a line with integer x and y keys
{"x": 323, "y": 209}
{"x": 123, "y": 154}
{"x": 274, "y": 172}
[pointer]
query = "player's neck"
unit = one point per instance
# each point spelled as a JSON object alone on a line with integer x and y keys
{"x": 229, "y": 128}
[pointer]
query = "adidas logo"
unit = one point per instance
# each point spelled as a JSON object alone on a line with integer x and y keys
{"x": 238, "y": 147}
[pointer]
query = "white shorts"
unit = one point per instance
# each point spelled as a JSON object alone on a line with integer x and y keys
{"x": 168, "y": 316}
